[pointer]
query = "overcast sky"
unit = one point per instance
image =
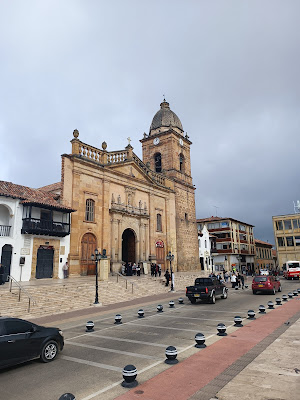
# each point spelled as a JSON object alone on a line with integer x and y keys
{"x": 229, "y": 69}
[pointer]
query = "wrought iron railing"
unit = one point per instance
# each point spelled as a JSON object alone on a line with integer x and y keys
{"x": 44, "y": 227}
{"x": 126, "y": 281}
{"x": 5, "y": 230}
{"x": 20, "y": 289}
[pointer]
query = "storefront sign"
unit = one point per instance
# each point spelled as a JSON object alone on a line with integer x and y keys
{"x": 160, "y": 244}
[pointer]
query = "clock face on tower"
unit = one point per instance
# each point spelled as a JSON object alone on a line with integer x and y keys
{"x": 181, "y": 142}
{"x": 156, "y": 140}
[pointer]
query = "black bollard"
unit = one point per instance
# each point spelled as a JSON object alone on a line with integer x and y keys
{"x": 118, "y": 319}
{"x": 284, "y": 297}
{"x": 67, "y": 396}
{"x": 159, "y": 308}
{"x": 262, "y": 309}
{"x": 238, "y": 321}
{"x": 295, "y": 292}
{"x": 246, "y": 286}
{"x": 180, "y": 300}
{"x": 298, "y": 290}
{"x": 141, "y": 313}
{"x": 270, "y": 304}
{"x": 251, "y": 314}
{"x": 89, "y": 326}
{"x": 200, "y": 341}
{"x": 290, "y": 294}
{"x": 221, "y": 329}
{"x": 236, "y": 288}
{"x": 171, "y": 354}
{"x": 129, "y": 375}
{"x": 278, "y": 301}
{"x": 171, "y": 303}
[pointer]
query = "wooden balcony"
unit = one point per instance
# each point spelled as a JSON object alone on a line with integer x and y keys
{"x": 5, "y": 230}
{"x": 42, "y": 227}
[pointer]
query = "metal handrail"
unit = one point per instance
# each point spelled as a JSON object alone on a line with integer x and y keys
{"x": 30, "y": 298}
{"x": 126, "y": 280}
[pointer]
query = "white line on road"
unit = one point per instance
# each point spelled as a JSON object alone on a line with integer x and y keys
{"x": 127, "y": 353}
{"x": 131, "y": 341}
{"x": 91, "y": 363}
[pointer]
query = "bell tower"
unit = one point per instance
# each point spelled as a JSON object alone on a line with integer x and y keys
{"x": 166, "y": 150}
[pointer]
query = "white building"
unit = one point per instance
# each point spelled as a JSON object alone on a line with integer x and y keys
{"x": 206, "y": 247}
{"x": 34, "y": 232}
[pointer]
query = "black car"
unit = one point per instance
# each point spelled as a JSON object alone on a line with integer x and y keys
{"x": 22, "y": 341}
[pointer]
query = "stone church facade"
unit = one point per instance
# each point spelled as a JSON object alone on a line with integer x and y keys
{"x": 138, "y": 210}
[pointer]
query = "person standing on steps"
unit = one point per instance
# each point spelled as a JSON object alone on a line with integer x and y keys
{"x": 65, "y": 269}
{"x": 167, "y": 276}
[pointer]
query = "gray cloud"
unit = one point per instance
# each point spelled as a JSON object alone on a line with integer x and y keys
{"x": 229, "y": 70}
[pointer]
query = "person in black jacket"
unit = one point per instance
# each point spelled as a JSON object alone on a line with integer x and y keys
{"x": 167, "y": 276}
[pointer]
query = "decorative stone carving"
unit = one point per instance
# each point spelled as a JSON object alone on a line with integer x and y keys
{"x": 112, "y": 199}
{"x": 119, "y": 199}
{"x": 76, "y": 133}
{"x": 104, "y": 145}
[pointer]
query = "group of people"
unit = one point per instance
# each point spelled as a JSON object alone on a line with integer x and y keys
{"x": 130, "y": 269}
{"x": 237, "y": 280}
{"x": 155, "y": 270}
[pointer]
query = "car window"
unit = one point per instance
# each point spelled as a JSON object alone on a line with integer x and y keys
{"x": 13, "y": 327}
{"x": 203, "y": 281}
{"x": 260, "y": 279}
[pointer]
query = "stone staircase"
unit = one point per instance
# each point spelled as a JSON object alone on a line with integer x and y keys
{"x": 54, "y": 297}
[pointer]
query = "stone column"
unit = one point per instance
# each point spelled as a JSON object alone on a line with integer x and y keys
{"x": 119, "y": 240}
{"x": 147, "y": 244}
{"x": 141, "y": 228}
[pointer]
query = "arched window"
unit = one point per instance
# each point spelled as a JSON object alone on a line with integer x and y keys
{"x": 181, "y": 162}
{"x": 158, "y": 223}
{"x": 157, "y": 162}
{"x": 89, "y": 210}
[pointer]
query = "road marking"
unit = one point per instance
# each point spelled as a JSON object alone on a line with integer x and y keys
{"x": 164, "y": 327}
{"x": 130, "y": 341}
{"x": 91, "y": 363}
{"x": 88, "y": 346}
{"x": 199, "y": 319}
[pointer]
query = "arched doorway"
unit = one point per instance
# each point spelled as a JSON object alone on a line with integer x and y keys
{"x": 128, "y": 246}
{"x": 6, "y": 260}
{"x": 88, "y": 246}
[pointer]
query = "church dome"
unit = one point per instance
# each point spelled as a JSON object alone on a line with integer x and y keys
{"x": 165, "y": 118}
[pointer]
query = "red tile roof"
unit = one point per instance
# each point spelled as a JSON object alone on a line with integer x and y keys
{"x": 52, "y": 187}
{"x": 257, "y": 241}
{"x": 30, "y": 196}
{"x": 212, "y": 219}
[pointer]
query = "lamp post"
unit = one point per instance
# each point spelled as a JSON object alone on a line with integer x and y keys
{"x": 97, "y": 257}
{"x": 170, "y": 257}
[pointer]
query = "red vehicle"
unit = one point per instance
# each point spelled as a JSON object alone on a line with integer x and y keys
{"x": 291, "y": 270}
{"x": 266, "y": 283}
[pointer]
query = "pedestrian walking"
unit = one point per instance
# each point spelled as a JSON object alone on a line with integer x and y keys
{"x": 233, "y": 280}
{"x": 243, "y": 281}
{"x": 138, "y": 270}
{"x": 167, "y": 276}
{"x": 65, "y": 269}
{"x": 159, "y": 270}
{"x": 156, "y": 270}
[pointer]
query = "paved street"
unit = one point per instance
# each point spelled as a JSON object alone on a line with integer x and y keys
{"x": 90, "y": 365}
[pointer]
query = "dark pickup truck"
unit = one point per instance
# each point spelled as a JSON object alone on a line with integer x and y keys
{"x": 206, "y": 289}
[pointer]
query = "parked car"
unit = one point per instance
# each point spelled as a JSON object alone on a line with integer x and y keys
{"x": 266, "y": 283}
{"x": 206, "y": 289}
{"x": 22, "y": 341}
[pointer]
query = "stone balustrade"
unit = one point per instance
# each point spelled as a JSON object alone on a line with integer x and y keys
{"x": 128, "y": 209}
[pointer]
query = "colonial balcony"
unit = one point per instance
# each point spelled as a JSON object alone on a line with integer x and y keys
{"x": 5, "y": 230}
{"x": 245, "y": 252}
{"x": 43, "y": 227}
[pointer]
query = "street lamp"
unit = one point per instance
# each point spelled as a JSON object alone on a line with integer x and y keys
{"x": 170, "y": 257}
{"x": 97, "y": 257}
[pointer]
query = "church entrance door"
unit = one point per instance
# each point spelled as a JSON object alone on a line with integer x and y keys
{"x": 128, "y": 246}
{"x": 88, "y": 246}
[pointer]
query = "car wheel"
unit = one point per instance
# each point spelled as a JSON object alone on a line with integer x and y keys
{"x": 49, "y": 351}
{"x": 280, "y": 288}
{"x": 213, "y": 299}
{"x": 192, "y": 300}
{"x": 254, "y": 291}
{"x": 224, "y": 295}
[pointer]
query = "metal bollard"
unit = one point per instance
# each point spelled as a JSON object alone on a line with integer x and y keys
{"x": 284, "y": 297}
{"x": 200, "y": 341}
{"x": 290, "y": 294}
{"x": 238, "y": 321}
{"x": 251, "y": 314}
{"x": 180, "y": 300}
{"x": 159, "y": 308}
{"x": 270, "y": 304}
{"x": 129, "y": 375}
{"x": 67, "y": 396}
{"x": 298, "y": 290}
{"x": 141, "y": 313}
{"x": 262, "y": 309}
{"x": 118, "y": 319}
{"x": 89, "y": 326}
{"x": 221, "y": 329}
{"x": 295, "y": 292}
{"x": 236, "y": 288}
{"x": 171, "y": 354}
{"x": 278, "y": 301}
{"x": 171, "y": 303}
